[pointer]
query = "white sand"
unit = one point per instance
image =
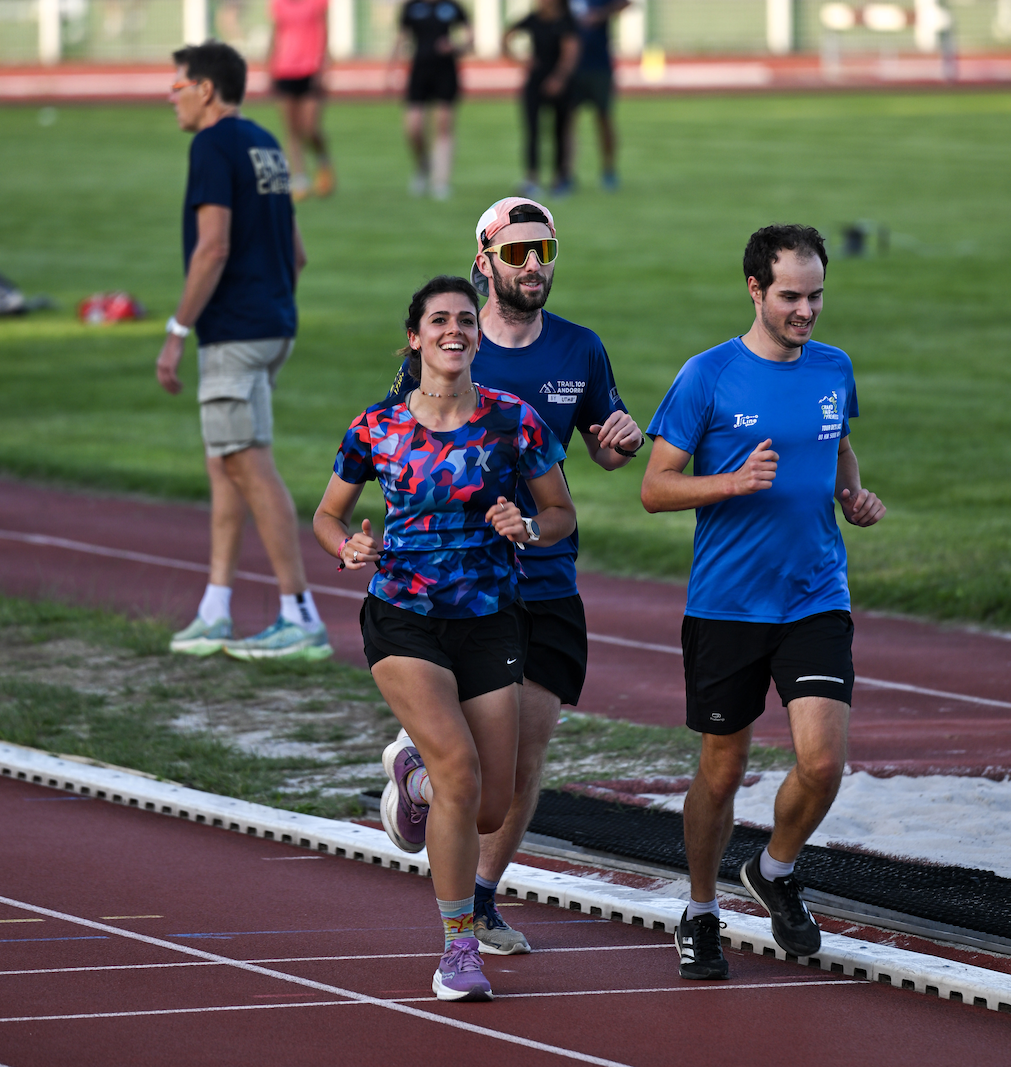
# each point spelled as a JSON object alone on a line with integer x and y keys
{"x": 945, "y": 819}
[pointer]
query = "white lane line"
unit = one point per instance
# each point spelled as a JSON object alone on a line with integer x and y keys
{"x": 350, "y": 994}
{"x": 330, "y": 590}
{"x": 171, "y": 1011}
{"x": 309, "y": 959}
{"x": 157, "y": 561}
{"x": 695, "y": 988}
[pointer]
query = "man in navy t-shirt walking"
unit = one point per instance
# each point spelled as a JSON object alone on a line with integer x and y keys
{"x": 766, "y": 419}
{"x": 242, "y": 253}
{"x": 563, "y": 372}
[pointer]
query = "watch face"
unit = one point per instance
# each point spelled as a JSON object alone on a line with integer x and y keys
{"x": 535, "y": 530}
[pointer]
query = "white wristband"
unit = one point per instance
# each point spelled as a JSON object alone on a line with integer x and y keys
{"x": 176, "y": 328}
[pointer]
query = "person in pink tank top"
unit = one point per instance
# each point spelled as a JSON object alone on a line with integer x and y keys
{"x": 297, "y": 60}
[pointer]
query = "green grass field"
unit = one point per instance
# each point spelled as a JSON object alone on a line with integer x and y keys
{"x": 93, "y": 202}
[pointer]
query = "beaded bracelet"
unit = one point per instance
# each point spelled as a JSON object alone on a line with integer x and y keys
{"x": 340, "y": 553}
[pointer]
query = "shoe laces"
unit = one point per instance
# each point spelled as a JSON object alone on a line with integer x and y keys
{"x": 462, "y": 956}
{"x": 707, "y": 936}
{"x": 791, "y": 899}
{"x": 491, "y": 915}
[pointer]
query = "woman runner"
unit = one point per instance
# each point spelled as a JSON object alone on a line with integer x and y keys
{"x": 297, "y": 60}
{"x": 444, "y": 630}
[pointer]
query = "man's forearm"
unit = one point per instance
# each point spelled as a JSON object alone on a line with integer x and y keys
{"x": 847, "y": 472}
{"x": 669, "y": 490}
{"x": 206, "y": 267}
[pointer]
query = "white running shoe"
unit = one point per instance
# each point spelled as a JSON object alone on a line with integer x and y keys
{"x": 283, "y": 640}
{"x": 199, "y": 639}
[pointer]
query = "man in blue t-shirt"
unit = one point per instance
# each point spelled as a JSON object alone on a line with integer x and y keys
{"x": 242, "y": 253}
{"x": 563, "y": 372}
{"x": 593, "y": 81}
{"x": 766, "y": 419}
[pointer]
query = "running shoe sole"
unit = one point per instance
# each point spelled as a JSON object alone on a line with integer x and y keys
{"x": 444, "y": 992}
{"x": 304, "y": 652}
{"x": 199, "y": 646}
{"x": 389, "y": 805}
{"x": 388, "y": 808}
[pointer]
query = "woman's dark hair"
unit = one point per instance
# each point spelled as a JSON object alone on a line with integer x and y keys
{"x": 765, "y": 244}
{"x": 444, "y": 283}
{"x": 216, "y": 62}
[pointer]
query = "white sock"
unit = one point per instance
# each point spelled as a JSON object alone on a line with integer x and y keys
{"x": 442, "y": 162}
{"x": 773, "y": 868}
{"x": 216, "y": 604}
{"x": 300, "y": 609}
{"x": 695, "y": 909}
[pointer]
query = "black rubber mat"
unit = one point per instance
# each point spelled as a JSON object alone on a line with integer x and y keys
{"x": 956, "y": 896}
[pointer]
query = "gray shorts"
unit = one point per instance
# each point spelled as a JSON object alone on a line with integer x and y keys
{"x": 236, "y": 379}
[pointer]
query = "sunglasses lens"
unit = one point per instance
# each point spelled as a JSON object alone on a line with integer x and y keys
{"x": 516, "y": 253}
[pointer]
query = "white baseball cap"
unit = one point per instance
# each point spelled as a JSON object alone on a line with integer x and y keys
{"x": 504, "y": 213}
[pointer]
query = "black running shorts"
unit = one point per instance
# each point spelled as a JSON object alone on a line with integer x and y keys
{"x": 728, "y": 666}
{"x": 556, "y": 655}
{"x": 311, "y": 85}
{"x": 433, "y": 79}
{"x": 485, "y": 652}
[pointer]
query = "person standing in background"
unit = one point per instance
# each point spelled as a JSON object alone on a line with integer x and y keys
{"x": 296, "y": 60}
{"x": 433, "y": 80}
{"x": 554, "y": 40}
{"x": 242, "y": 254}
{"x": 593, "y": 81}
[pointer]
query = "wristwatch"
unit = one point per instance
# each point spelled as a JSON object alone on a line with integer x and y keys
{"x": 631, "y": 455}
{"x": 533, "y": 530}
{"x": 177, "y": 329}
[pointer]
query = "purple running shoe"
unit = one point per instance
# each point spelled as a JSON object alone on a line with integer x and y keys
{"x": 459, "y": 975}
{"x": 403, "y": 820}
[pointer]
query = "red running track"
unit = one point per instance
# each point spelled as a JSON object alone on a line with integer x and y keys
{"x": 638, "y": 684}
{"x": 304, "y": 959}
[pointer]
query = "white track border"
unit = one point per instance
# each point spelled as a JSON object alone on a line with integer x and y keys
{"x": 931, "y": 975}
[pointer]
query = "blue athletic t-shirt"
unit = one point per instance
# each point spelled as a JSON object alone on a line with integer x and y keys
{"x": 440, "y": 557}
{"x": 566, "y": 377}
{"x": 776, "y": 555}
{"x": 238, "y": 165}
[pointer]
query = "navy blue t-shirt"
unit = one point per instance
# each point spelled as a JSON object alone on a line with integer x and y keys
{"x": 777, "y": 555}
{"x": 238, "y": 165}
{"x": 566, "y": 377}
{"x": 595, "y": 53}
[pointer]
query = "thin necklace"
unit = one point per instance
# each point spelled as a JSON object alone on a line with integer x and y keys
{"x": 441, "y": 395}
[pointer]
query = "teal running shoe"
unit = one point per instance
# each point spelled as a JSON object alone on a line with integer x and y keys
{"x": 199, "y": 639}
{"x": 283, "y": 640}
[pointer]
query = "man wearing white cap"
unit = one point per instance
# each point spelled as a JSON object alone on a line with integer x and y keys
{"x": 562, "y": 370}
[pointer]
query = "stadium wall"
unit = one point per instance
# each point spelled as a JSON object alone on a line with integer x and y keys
{"x": 145, "y": 31}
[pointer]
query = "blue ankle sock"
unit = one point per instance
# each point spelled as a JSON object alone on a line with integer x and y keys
{"x": 484, "y": 891}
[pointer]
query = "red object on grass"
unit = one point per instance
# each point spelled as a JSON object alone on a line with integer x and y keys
{"x": 100, "y": 308}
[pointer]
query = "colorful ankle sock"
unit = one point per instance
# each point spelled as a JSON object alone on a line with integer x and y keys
{"x": 484, "y": 892}
{"x": 771, "y": 868}
{"x": 416, "y": 782}
{"x": 457, "y": 918}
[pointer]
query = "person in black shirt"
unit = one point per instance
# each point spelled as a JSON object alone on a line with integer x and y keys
{"x": 554, "y": 39}
{"x": 432, "y": 80}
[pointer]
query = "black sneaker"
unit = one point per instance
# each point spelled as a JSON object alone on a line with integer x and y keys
{"x": 792, "y": 926}
{"x": 698, "y": 941}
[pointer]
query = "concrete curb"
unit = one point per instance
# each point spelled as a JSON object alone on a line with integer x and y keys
{"x": 651, "y": 908}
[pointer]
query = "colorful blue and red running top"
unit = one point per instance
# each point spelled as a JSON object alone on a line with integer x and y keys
{"x": 440, "y": 557}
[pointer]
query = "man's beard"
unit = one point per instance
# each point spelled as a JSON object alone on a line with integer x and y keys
{"x": 515, "y": 304}
{"x": 782, "y": 338}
